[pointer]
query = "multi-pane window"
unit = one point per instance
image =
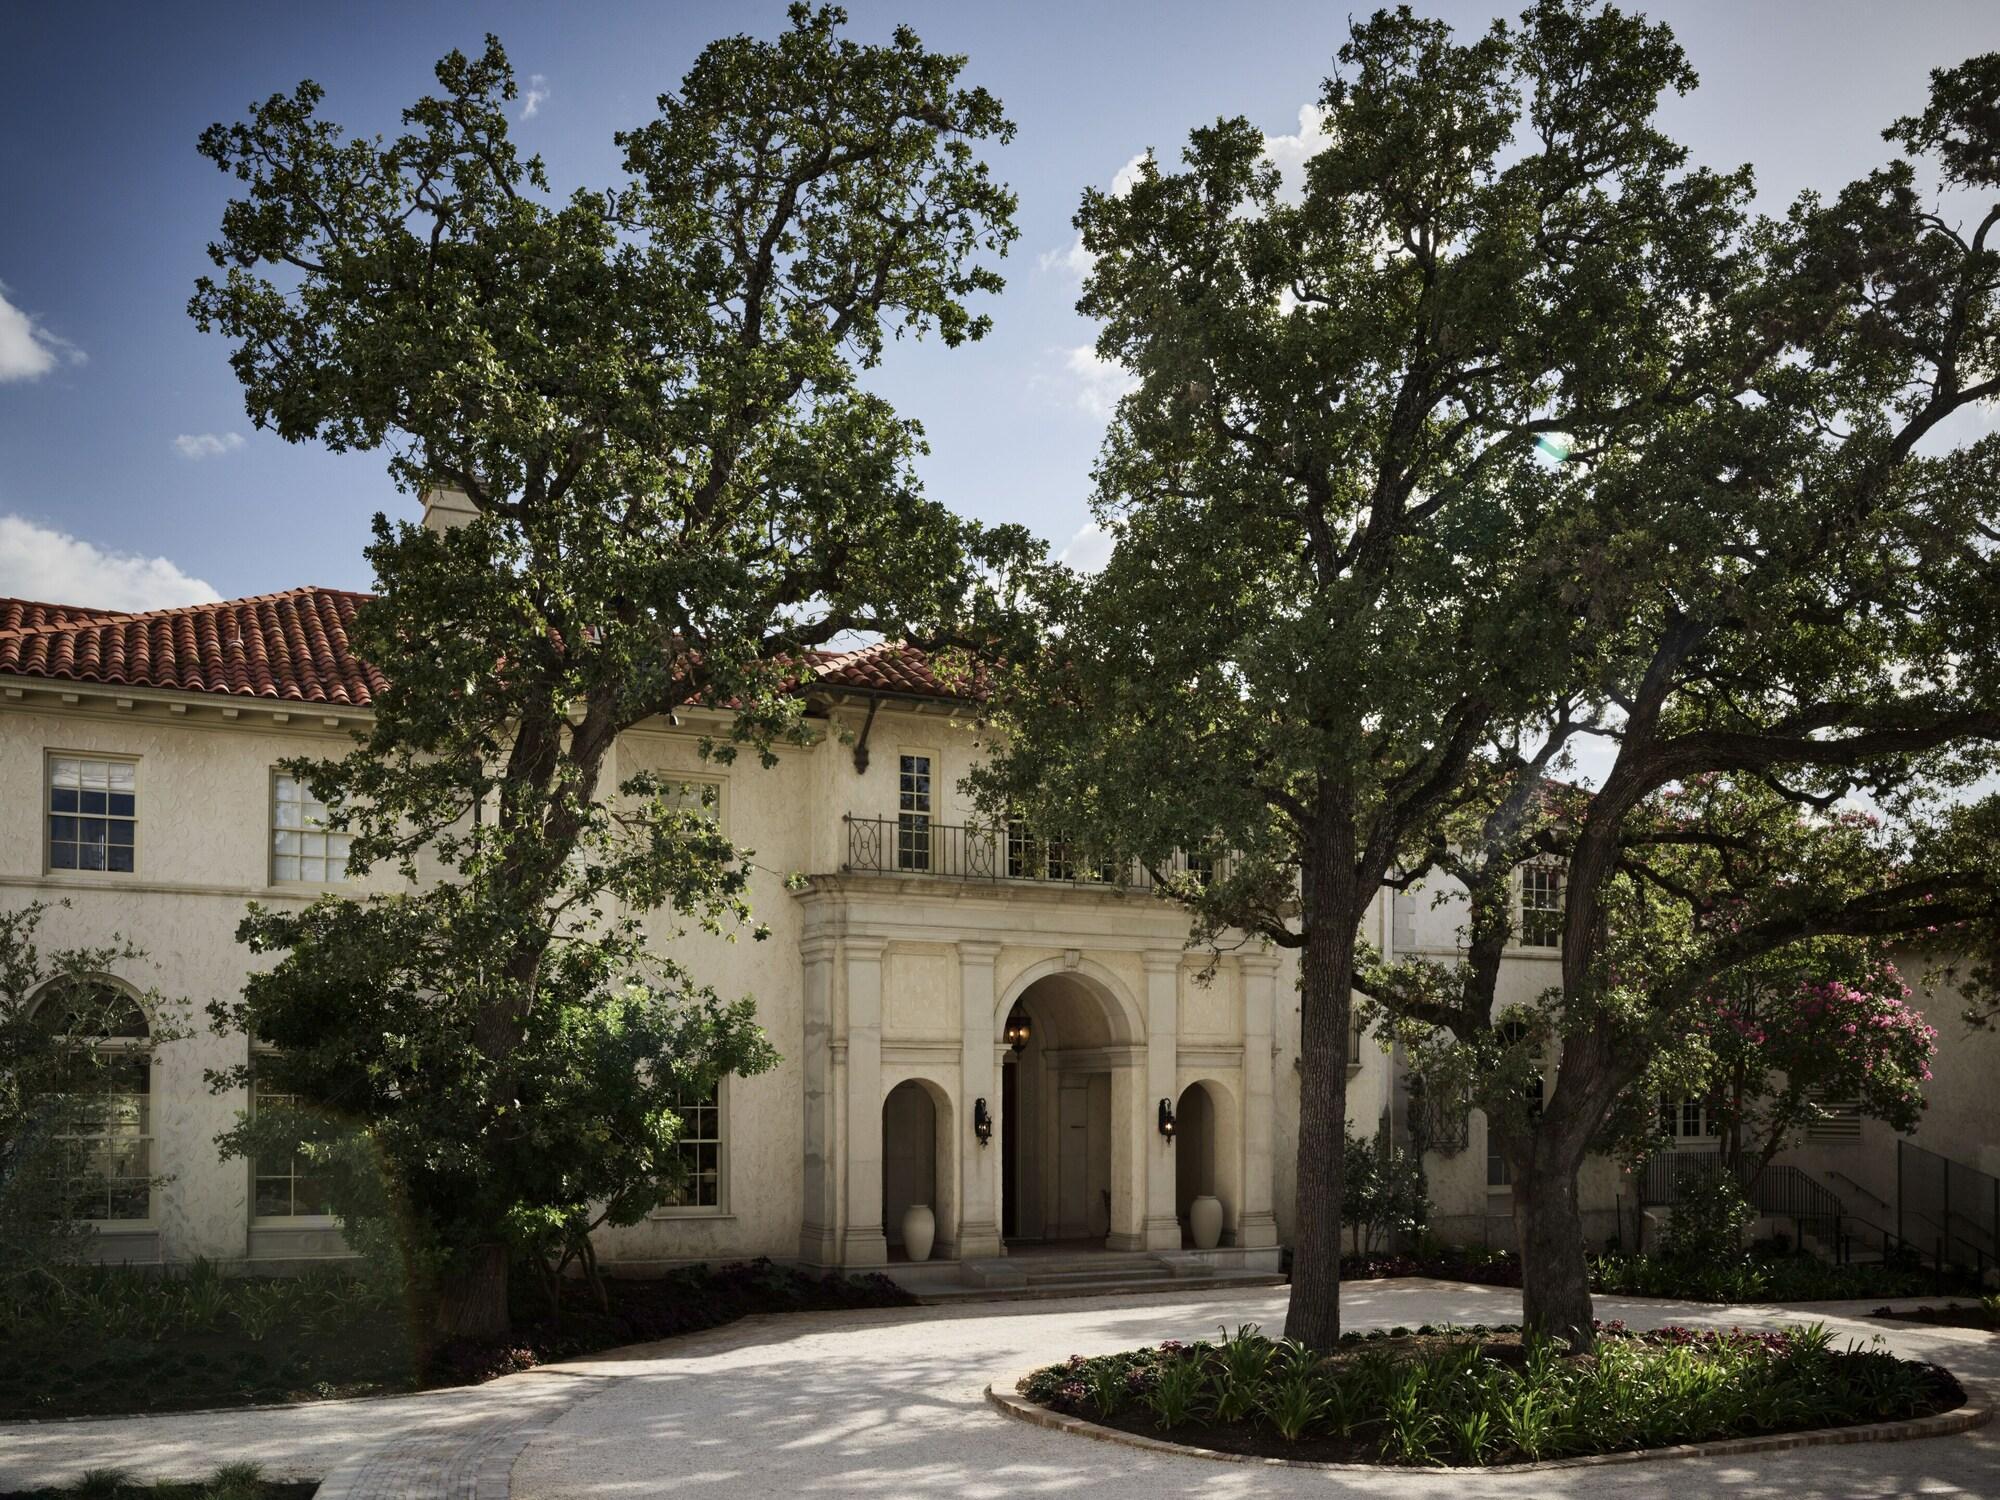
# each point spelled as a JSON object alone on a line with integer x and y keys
{"x": 1687, "y": 1119}
{"x": 93, "y": 813}
{"x": 1201, "y": 869}
{"x": 1357, "y": 1032}
{"x": 1498, "y": 1173}
{"x": 699, "y": 1148}
{"x": 1060, "y": 860}
{"x": 283, "y": 1187}
{"x": 913, "y": 813}
{"x": 1541, "y": 906}
{"x": 303, "y": 848}
{"x": 1022, "y": 852}
{"x": 106, "y": 1130}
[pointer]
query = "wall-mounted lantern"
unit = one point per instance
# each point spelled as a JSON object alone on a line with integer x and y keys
{"x": 1019, "y": 1029}
{"x": 982, "y": 1121}
{"x": 1168, "y": 1125}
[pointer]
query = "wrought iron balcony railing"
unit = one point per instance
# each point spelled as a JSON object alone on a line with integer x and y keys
{"x": 915, "y": 845}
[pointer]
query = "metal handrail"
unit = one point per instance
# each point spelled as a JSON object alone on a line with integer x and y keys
{"x": 912, "y": 844}
{"x": 1948, "y": 1205}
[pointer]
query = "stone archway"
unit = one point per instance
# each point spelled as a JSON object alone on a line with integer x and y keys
{"x": 1065, "y": 1098}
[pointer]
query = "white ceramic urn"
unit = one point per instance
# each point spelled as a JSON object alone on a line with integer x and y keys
{"x": 1205, "y": 1222}
{"x": 919, "y": 1231}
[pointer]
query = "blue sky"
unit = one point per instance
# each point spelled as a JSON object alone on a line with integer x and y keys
{"x": 129, "y": 475}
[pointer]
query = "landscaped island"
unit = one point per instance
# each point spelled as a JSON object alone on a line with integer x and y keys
{"x": 1486, "y": 1395}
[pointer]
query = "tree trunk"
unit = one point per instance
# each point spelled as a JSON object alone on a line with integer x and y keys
{"x": 472, "y": 1296}
{"x": 1555, "y": 1276}
{"x": 1326, "y": 973}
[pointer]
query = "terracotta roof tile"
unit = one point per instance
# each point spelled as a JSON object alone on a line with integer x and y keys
{"x": 292, "y": 647}
{"x": 890, "y": 667}
{"x": 32, "y": 614}
{"x": 289, "y": 647}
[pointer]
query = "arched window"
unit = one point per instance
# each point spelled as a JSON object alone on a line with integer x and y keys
{"x": 105, "y": 1127}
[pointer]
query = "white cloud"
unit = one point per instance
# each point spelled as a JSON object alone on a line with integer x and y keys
{"x": 29, "y": 351}
{"x": 1088, "y": 551}
{"x": 208, "y": 444}
{"x": 1096, "y": 382}
{"x": 1127, "y": 177}
{"x": 1074, "y": 261}
{"x": 1291, "y": 152}
{"x": 535, "y": 96}
{"x": 37, "y": 562}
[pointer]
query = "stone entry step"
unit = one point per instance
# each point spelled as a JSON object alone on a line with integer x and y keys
{"x": 1101, "y": 1273}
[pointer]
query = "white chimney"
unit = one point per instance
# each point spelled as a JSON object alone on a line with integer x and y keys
{"x": 444, "y": 509}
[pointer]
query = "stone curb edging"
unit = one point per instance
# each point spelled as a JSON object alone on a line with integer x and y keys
{"x": 1976, "y": 1412}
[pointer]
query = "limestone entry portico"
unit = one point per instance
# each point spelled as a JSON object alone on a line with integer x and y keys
{"x": 908, "y": 985}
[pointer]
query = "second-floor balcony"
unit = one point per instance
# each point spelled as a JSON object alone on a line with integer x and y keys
{"x": 913, "y": 844}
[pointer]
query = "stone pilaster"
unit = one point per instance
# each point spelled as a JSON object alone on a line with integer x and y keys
{"x": 1256, "y": 1224}
{"x": 979, "y": 1078}
{"x": 862, "y": 1242}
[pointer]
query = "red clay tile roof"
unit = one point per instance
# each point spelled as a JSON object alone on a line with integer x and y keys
{"x": 289, "y": 647}
{"x": 887, "y": 667}
{"x": 292, "y": 647}
{"x": 30, "y": 614}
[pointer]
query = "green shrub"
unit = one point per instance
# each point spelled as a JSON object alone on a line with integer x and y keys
{"x": 1467, "y": 1404}
{"x": 1708, "y": 1223}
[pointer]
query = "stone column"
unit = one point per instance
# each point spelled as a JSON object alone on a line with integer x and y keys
{"x": 862, "y": 1242}
{"x": 1256, "y": 1224}
{"x": 979, "y": 1078}
{"x": 819, "y": 1231}
{"x": 1161, "y": 1229}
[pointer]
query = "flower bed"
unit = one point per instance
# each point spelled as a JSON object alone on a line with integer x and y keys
{"x": 1485, "y": 1395}
{"x": 1756, "y": 1278}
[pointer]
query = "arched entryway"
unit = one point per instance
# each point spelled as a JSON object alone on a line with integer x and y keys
{"x": 1206, "y": 1154}
{"x": 1061, "y": 1090}
{"x": 917, "y": 1162}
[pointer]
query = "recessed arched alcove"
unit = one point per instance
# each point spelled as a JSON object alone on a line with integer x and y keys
{"x": 917, "y": 1161}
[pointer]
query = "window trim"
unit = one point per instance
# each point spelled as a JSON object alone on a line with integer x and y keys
{"x": 720, "y": 1208}
{"x": 706, "y": 778}
{"x": 274, "y": 1221}
{"x": 50, "y": 755}
{"x": 271, "y": 832}
{"x": 150, "y": 1135}
{"x": 933, "y": 761}
{"x": 1522, "y": 909}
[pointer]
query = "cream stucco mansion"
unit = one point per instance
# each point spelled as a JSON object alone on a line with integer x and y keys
{"x": 139, "y": 792}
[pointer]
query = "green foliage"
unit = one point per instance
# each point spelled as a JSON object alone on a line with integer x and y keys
{"x": 1385, "y": 1197}
{"x": 57, "y": 1074}
{"x": 1343, "y": 552}
{"x": 1708, "y": 1223}
{"x": 651, "y": 396}
{"x": 1462, "y": 1397}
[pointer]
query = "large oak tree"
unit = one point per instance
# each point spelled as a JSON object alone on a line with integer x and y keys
{"x": 651, "y": 395}
{"x": 1340, "y": 537}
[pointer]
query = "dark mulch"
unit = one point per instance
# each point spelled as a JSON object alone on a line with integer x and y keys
{"x": 374, "y": 1351}
{"x": 1951, "y": 1315}
{"x": 262, "y": 1489}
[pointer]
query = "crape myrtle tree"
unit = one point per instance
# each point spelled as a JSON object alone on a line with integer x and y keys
{"x": 1829, "y": 1018}
{"x": 1338, "y": 537}
{"x": 650, "y": 394}
{"x": 1794, "y": 599}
